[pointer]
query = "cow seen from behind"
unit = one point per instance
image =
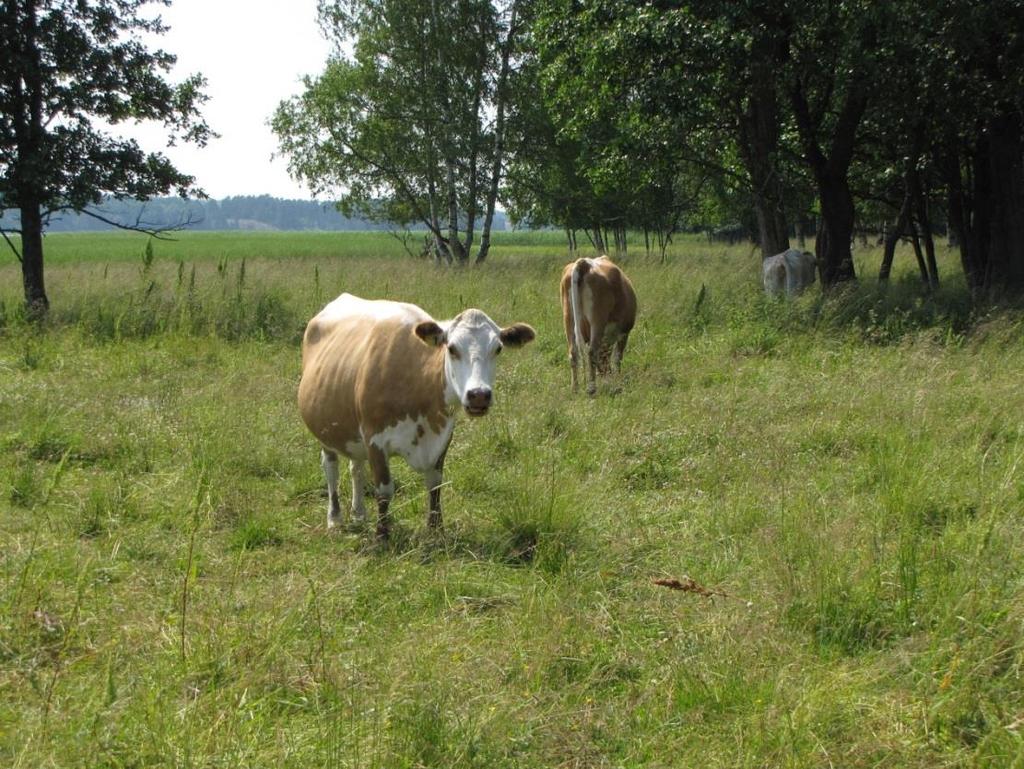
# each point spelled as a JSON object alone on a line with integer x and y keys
{"x": 599, "y": 310}
{"x": 791, "y": 272}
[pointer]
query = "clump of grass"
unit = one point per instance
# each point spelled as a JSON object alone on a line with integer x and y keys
{"x": 25, "y": 489}
{"x": 538, "y": 527}
{"x": 106, "y": 505}
{"x": 253, "y": 533}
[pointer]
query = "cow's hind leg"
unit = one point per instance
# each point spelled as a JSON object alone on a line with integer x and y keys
{"x": 594, "y": 356}
{"x": 618, "y": 351}
{"x": 329, "y": 461}
{"x": 574, "y": 363}
{"x": 383, "y": 489}
{"x": 570, "y": 337}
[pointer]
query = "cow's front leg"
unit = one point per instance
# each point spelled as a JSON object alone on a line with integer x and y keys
{"x": 434, "y": 478}
{"x": 383, "y": 489}
{"x": 358, "y": 471}
{"x": 329, "y": 461}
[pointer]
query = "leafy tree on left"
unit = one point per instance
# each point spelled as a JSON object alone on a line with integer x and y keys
{"x": 65, "y": 67}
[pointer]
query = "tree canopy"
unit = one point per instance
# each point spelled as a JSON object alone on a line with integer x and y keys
{"x": 403, "y": 128}
{"x": 71, "y": 71}
{"x": 890, "y": 115}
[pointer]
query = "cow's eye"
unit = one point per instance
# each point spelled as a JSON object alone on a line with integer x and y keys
{"x": 497, "y": 349}
{"x": 454, "y": 353}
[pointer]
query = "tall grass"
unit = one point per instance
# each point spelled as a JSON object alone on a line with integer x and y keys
{"x": 844, "y": 472}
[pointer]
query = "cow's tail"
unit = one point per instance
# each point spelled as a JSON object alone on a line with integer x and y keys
{"x": 576, "y": 299}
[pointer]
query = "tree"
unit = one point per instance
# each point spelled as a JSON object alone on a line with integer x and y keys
{"x": 403, "y": 126}
{"x": 666, "y": 88}
{"x": 980, "y": 145}
{"x": 65, "y": 64}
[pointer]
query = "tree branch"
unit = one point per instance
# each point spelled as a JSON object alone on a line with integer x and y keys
{"x": 155, "y": 232}
{"x": 17, "y": 254}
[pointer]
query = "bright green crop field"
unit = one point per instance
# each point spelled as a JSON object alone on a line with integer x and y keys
{"x": 844, "y": 475}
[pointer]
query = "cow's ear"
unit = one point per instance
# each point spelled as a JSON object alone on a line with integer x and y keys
{"x": 430, "y": 333}
{"x": 517, "y": 335}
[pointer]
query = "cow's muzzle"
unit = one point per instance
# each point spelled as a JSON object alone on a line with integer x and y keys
{"x": 477, "y": 401}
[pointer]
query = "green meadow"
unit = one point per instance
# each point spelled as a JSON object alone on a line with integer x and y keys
{"x": 844, "y": 474}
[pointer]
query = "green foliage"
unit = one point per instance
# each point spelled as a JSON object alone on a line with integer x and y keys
{"x": 403, "y": 125}
{"x": 68, "y": 69}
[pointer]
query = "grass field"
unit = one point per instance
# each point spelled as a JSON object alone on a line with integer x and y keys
{"x": 845, "y": 473}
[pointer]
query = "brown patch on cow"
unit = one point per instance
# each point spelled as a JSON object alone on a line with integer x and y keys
{"x": 363, "y": 372}
{"x": 420, "y": 432}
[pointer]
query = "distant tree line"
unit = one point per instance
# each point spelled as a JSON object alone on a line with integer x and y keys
{"x": 243, "y": 212}
{"x": 597, "y": 118}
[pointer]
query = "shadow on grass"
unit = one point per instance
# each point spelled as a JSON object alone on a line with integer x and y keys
{"x": 546, "y": 541}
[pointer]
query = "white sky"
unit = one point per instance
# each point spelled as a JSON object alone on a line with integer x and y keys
{"x": 253, "y": 54}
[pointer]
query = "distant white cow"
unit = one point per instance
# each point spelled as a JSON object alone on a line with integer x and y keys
{"x": 791, "y": 271}
{"x": 383, "y": 378}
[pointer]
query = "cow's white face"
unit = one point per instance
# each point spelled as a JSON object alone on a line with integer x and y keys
{"x": 472, "y": 343}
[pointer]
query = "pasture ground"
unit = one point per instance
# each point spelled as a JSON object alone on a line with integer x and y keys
{"x": 846, "y": 471}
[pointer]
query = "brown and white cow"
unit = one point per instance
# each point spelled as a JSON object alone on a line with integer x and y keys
{"x": 791, "y": 271}
{"x": 599, "y": 310}
{"x": 382, "y": 378}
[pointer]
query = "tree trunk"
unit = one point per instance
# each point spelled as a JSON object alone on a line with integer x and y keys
{"x": 922, "y": 268}
{"x": 500, "y": 98}
{"x": 454, "y": 244}
{"x": 759, "y": 141}
{"x": 835, "y": 258}
{"x": 956, "y": 207}
{"x": 32, "y": 260}
{"x": 471, "y": 195}
{"x": 831, "y": 172}
{"x": 26, "y": 118}
{"x": 1006, "y": 231}
{"x": 892, "y": 238}
{"x": 931, "y": 275}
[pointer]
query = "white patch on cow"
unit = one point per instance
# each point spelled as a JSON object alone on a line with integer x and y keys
{"x": 347, "y": 305}
{"x": 356, "y": 450}
{"x": 415, "y": 441}
{"x": 385, "y": 490}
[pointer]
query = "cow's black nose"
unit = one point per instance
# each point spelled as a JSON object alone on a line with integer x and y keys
{"x": 479, "y": 398}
